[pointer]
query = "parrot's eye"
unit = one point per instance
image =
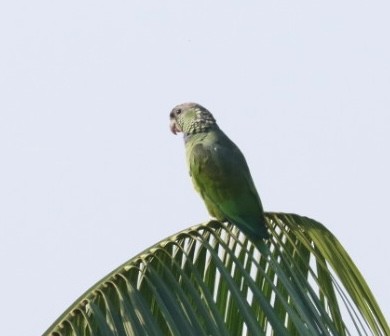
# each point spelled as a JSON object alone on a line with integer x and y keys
{"x": 178, "y": 111}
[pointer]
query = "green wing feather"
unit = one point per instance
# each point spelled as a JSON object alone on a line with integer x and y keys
{"x": 221, "y": 175}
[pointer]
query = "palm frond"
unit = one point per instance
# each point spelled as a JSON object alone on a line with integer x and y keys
{"x": 212, "y": 280}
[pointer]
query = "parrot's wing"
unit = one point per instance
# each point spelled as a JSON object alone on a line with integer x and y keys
{"x": 221, "y": 175}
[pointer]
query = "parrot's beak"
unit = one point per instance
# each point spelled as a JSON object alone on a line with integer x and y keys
{"x": 174, "y": 127}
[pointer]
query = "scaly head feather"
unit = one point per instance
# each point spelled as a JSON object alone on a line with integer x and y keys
{"x": 191, "y": 118}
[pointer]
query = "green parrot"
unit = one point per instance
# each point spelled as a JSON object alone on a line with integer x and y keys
{"x": 219, "y": 170}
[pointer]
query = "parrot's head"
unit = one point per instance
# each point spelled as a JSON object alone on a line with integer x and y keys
{"x": 191, "y": 118}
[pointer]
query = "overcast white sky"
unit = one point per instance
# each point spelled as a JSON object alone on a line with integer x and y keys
{"x": 90, "y": 174}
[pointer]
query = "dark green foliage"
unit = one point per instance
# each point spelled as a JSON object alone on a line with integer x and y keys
{"x": 212, "y": 280}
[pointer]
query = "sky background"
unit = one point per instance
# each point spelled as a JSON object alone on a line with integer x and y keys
{"x": 90, "y": 174}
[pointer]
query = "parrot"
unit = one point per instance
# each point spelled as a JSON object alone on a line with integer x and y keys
{"x": 219, "y": 171}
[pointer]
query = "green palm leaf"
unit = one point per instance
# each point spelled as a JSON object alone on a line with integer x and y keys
{"x": 212, "y": 280}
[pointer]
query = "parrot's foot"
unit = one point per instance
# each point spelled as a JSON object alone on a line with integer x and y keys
{"x": 214, "y": 223}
